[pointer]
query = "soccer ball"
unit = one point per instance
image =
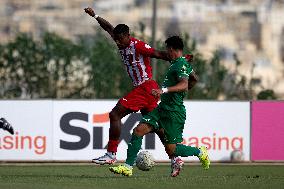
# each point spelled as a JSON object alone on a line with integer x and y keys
{"x": 237, "y": 156}
{"x": 145, "y": 161}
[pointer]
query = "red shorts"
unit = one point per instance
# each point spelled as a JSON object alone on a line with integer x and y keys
{"x": 141, "y": 98}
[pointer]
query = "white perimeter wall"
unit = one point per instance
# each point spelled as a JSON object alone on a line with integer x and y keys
{"x": 78, "y": 130}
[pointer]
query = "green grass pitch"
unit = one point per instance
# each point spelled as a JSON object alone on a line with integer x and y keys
{"x": 70, "y": 176}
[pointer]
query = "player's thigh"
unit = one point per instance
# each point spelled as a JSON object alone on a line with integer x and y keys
{"x": 170, "y": 148}
{"x": 135, "y": 100}
{"x": 152, "y": 118}
{"x": 119, "y": 111}
{"x": 173, "y": 125}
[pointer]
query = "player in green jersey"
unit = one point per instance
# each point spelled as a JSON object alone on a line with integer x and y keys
{"x": 170, "y": 115}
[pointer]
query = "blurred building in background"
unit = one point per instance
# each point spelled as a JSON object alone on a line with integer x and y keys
{"x": 251, "y": 29}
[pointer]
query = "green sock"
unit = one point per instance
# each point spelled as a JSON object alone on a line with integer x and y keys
{"x": 185, "y": 151}
{"x": 133, "y": 148}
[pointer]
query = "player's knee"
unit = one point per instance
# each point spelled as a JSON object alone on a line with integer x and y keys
{"x": 114, "y": 116}
{"x": 140, "y": 130}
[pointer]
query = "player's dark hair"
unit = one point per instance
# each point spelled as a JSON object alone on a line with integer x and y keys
{"x": 174, "y": 42}
{"x": 121, "y": 29}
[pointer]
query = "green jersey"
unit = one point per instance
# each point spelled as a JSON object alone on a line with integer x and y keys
{"x": 179, "y": 69}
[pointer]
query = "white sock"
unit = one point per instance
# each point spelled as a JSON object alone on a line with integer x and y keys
{"x": 173, "y": 160}
{"x": 128, "y": 166}
{"x": 111, "y": 154}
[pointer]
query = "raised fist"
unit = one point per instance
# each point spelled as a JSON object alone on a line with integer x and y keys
{"x": 90, "y": 11}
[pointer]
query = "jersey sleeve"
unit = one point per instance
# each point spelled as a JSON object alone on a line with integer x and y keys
{"x": 184, "y": 70}
{"x": 144, "y": 49}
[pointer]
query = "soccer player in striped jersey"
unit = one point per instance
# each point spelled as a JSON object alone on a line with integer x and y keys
{"x": 135, "y": 55}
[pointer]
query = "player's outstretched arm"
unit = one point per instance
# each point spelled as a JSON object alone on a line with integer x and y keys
{"x": 103, "y": 23}
{"x": 181, "y": 86}
{"x": 165, "y": 56}
{"x": 161, "y": 55}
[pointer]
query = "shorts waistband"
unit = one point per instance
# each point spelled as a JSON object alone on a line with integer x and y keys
{"x": 143, "y": 82}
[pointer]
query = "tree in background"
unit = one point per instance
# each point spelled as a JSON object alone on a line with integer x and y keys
{"x": 267, "y": 94}
{"x": 215, "y": 80}
{"x": 23, "y": 72}
{"x": 54, "y": 67}
{"x": 108, "y": 77}
{"x": 65, "y": 62}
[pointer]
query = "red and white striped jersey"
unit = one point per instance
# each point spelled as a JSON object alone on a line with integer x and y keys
{"x": 136, "y": 58}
